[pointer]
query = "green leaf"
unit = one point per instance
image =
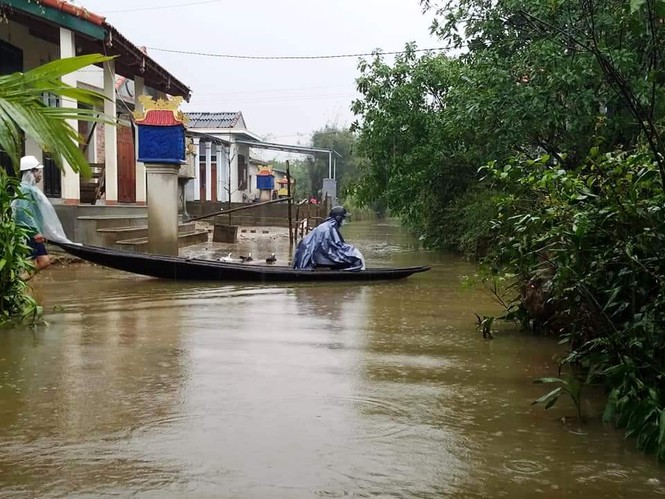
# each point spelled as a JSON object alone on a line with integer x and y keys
{"x": 22, "y": 111}
{"x": 550, "y": 380}
{"x": 552, "y": 401}
{"x": 636, "y": 5}
{"x": 661, "y": 429}
{"x": 554, "y": 393}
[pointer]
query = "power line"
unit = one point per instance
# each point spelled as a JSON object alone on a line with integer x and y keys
{"x": 162, "y": 7}
{"x": 276, "y": 99}
{"x": 288, "y": 57}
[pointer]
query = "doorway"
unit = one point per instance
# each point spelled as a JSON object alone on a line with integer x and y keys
{"x": 126, "y": 164}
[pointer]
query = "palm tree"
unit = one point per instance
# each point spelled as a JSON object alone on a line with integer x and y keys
{"x": 24, "y": 114}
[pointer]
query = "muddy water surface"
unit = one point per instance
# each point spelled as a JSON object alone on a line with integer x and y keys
{"x": 153, "y": 388}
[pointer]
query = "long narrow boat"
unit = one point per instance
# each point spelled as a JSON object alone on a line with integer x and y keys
{"x": 195, "y": 269}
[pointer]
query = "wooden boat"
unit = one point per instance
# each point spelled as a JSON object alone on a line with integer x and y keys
{"x": 195, "y": 269}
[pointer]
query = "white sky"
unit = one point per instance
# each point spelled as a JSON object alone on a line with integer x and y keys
{"x": 282, "y": 101}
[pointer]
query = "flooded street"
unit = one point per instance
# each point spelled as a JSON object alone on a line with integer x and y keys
{"x": 150, "y": 388}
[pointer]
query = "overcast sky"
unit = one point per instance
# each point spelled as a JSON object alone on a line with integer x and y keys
{"x": 282, "y": 101}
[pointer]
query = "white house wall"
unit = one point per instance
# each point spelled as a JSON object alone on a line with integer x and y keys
{"x": 37, "y": 52}
{"x": 210, "y": 152}
{"x": 222, "y": 173}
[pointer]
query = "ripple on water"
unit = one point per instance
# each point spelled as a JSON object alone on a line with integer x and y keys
{"x": 525, "y": 467}
{"x": 384, "y": 419}
{"x": 146, "y": 297}
{"x": 609, "y": 473}
{"x": 166, "y": 422}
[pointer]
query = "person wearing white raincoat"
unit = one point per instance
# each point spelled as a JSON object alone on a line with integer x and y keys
{"x": 34, "y": 212}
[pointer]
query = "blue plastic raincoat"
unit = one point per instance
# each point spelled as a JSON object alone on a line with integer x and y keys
{"x": 325, "y": 247}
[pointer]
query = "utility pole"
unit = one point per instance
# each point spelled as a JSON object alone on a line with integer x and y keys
{"x": 288, "y": 194}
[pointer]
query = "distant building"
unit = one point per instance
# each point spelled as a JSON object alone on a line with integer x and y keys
{"x": 224, "y": 164}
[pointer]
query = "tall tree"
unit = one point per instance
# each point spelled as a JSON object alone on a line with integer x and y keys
{"x": 532, "y": 77}
{"x": 341, "y": 141}
{"x": 592, "y": 71}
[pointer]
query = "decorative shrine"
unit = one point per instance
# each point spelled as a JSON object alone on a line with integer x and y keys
{"x": 265, "y": 179}
{"x": 161, "y": 131}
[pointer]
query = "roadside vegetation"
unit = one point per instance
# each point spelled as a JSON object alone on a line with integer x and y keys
{"x": 537, "y": 150}
{"x": 24, "y": 114}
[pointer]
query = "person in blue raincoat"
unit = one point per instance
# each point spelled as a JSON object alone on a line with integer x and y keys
{"x": 325, "y": 247}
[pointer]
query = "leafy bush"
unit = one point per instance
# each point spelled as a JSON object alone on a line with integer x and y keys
{"x": 588, "y": 246}
{"x": 15, "y": 304}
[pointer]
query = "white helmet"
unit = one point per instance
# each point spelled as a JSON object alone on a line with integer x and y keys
{"x": 30, "y": 163}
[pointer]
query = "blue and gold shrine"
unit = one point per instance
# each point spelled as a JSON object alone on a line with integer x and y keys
{"x": 161, "y": 131}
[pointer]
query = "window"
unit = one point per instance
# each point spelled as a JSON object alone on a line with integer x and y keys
{"x": 242, "y": 172}
{"x": 52, "y": 175}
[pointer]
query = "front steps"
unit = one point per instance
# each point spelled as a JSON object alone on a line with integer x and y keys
{"x": 136, "y": 238}
{"x": 129, "y": 232}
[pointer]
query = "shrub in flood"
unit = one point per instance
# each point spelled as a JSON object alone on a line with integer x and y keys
{"x": 16, "y": 305}
{"x": 588, "y": 248}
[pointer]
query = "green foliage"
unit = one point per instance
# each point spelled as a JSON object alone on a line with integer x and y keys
{"x": 22, "y": 111}
{"x": 580, "y": 235}
{"x": 468, "y": 220}
{"x": 589, "y": 244}
{"x": 414, "y": 158}
{"x": 15, "y": 303}
{"x": 533, "y": 77}
{"x": 582, "y": 73}
{"x": 484, "y": 325}
{"x": 310, "y": 172}
{"x": 570, "y": 386}
{"x": 298, "y": 172}
{"x": 342, "y": 141}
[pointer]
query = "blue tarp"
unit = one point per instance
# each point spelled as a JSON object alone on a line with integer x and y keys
{"x": 325, "y": 247}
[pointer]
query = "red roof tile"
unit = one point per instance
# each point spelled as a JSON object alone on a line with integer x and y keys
{"x": 74, "y": 10}
{"x": 159, "y": 117}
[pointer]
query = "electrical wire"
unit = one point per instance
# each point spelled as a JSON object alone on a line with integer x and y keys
{"x": 290, "y": 57}
{"x": 162, "y": 7}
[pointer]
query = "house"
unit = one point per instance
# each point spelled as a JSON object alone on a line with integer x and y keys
{"x": 224, "y": 164}
{"x": 34, "y": 32}
{"x": 226, "y": 168}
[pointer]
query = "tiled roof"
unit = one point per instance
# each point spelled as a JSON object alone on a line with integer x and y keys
{"x": 214, "y": 120}
{"x": 159, "y": 117}
{"x": 74, "y": 10}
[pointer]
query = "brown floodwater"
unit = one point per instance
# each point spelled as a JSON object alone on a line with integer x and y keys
{"x": 150, "y": 388}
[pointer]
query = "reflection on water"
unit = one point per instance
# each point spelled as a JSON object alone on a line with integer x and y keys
{"x": 163, "y": 389}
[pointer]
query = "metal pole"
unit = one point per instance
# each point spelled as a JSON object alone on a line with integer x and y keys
{"x": 288, "y": 193}
{"x": 329, "y": 164}
{"x": 334, "y": 168}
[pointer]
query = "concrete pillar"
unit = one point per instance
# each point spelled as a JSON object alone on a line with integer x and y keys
{"x": 197, "y": 171}
{"x": 162, "y": 186}
{"x": 70, "y": 184}
{"x": 110, "y": 135}
{"x": 234, "y": 150}
{"x": 227, "y": 173}
{"x": 220, "y": 170}
{"x": 208, "y": 146}
{"x": 139, "y": 89}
